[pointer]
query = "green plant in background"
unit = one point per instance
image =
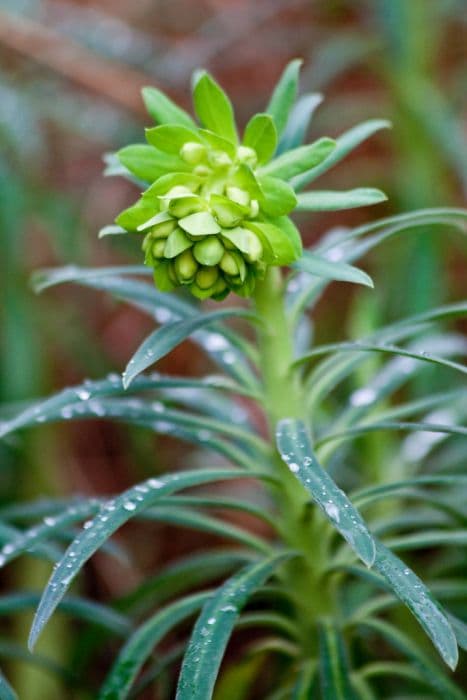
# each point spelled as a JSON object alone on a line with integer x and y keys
{"x": 214, "y": 220}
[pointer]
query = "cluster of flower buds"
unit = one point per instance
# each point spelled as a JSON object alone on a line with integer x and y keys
{"x": 215, "y": 213}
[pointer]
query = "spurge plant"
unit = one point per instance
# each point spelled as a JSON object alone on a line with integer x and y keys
{"x": 325, "y": 593}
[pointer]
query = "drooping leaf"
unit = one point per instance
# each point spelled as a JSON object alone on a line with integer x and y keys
{"x": 284, "y": 94}
{"x": 295, "y": 448}
{"x": 334, "y": 201}
{"x": 214, "y": 108}
{"x": 414, "y": 594}
{"x": 113, "y": 514}
{"x": 214, "y": 627}
{"x": 321, "y": 267}
{"x": 164, "y": 339}
{"x": 141, "y": 643}
{"x": 343, "y": 145}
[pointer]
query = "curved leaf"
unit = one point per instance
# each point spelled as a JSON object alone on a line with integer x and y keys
{"x": 214, "y": 108}
{"x": 314, "y": 265}
{"x": 164, "y": 339}
{"x": 163, "y": 110}
{"x": 113, "y": 514}
{"x": 335, "y": 201}
{"x": 284, "y": 95}
{"x": 294, "y": 162}
{"x": 334, "y": 670}
{"x": 214, "y": 627}
{"x": 139, "y": 646}
{"x": 295, "y": 448}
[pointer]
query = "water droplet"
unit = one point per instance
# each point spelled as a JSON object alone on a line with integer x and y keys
{"x": 154, "y": 483}
{"x": 362, "y": 397}
{"x": 332, "y": 511}
{"x": 83, "y": 394}
{"x": 215, "y": 342}
{"x": 49, "y": 521}
{"x": 294, "y": 467}
{"x": 129, "y": 505}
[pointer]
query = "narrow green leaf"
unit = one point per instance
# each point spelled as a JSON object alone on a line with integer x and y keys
{"x": 334, "y": 670}
{"x": 299, "y": 121}
{"x": 344, "y": 144}
{"x": 334, "y": 201}
{"x": 416, "y": 596}
{"x": 214, "y": 108}
{"x": 261, "y": 135}
{"x": 284, "y": 95}
{"x": 316, "y": 265}
{"x": 214, "y": 628}
{"x": 164, "y": 339}
{"x": 163, "y": 110}
{"x": 111, "y": 231}
{"x": 366, "y": 496}
{"x": 295, "y": 448}
{"x": 430, "y": 671}
{"x": 428, "y": 538}
{"x": 112, "y": 515}
{"x": 6, "y": 691}
{"x": 364, "y": 428}
{"x": 141, "y": 643}
{"x": 292, "y": 163}
{"x": 460, "y": 629}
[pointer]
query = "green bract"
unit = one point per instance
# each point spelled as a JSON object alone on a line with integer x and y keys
{"x": 215, "y": 214}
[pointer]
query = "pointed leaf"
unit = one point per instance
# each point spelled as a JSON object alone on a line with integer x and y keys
{"x": 299, "y": 120}
{"x": 214, "y": 628}
{"x": 295, "y": 449}
{"x": 334, "y": 201}
{"x": 148, "y": 162}
{"x": 171, "y": 137}
{"x": 164, "y": 339}
{"x": 279, "y": 197}
{"x": 344, "y": 144}
{"x": 316, "y": 265}
{"x": 284, "y": 95}
{"x": 214, "y": 108}
{"x": 112, "y": 515}
{"x": 261, "y": 135}
{"x": 141, "y": 643}
{"x": 416, "y": 596}
{"x": 163, "y": 110}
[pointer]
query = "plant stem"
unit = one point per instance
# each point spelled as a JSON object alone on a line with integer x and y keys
{"x": 301, "y": 528}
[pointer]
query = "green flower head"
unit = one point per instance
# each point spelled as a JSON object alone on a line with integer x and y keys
{"x": 214, "y": 216}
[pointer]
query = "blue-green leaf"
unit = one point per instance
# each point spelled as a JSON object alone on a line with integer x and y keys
{"x": 344, "y": 144}
{"x": 6, "y": 691}
{"x": 325, "y": 200}
{"x": 334, "y": 670}
{"x": 411, "y": 591}
{"x": 321, "y": 267}
{"x": 284, "y": 94}
{"x": 164, "y": 339}
{"x": 112, "y": 515}
{"x": 141, "y": 643}
{"x": 294, "y": 445}
{"x": 299, "y": 121}
{"x": 214, "y": 628}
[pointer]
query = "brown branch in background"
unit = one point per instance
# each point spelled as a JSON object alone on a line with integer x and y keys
{"x": 109, "y": 79}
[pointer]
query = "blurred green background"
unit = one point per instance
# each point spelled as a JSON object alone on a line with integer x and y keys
{"x": 70, "y": 76}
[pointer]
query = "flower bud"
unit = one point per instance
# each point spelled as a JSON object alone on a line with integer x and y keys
{"x": 208, "y": 251}
{"x": 163, "y": 229}
{"x": 184, "y": 206}
{"x": 206, "y": 277}
{"x": 254, "y": 208}
{"x": 192, "y": 152}
{"x": 219, "y": 159}
{"x": 255, "y": 248}
{"x": 185, "y": 267}
{"x": 238, "y": 195}
{"x": 157, "y": 249}
{"x": 247, "y": 155}
{"x": 233, "y": 265}
{"x": 202, "y": 170}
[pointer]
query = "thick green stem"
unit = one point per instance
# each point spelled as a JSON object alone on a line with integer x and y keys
{"x": 299, "y": 525}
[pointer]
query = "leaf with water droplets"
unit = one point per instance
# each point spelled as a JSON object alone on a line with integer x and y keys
{"x": 412, "y": 591}
{"x": 164, "y": 339}
{"x": 141, "y": 643}
{"x": 112, "y": 515}
{"x": 294, "y": 445}
{"x": 214, "y": 626}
